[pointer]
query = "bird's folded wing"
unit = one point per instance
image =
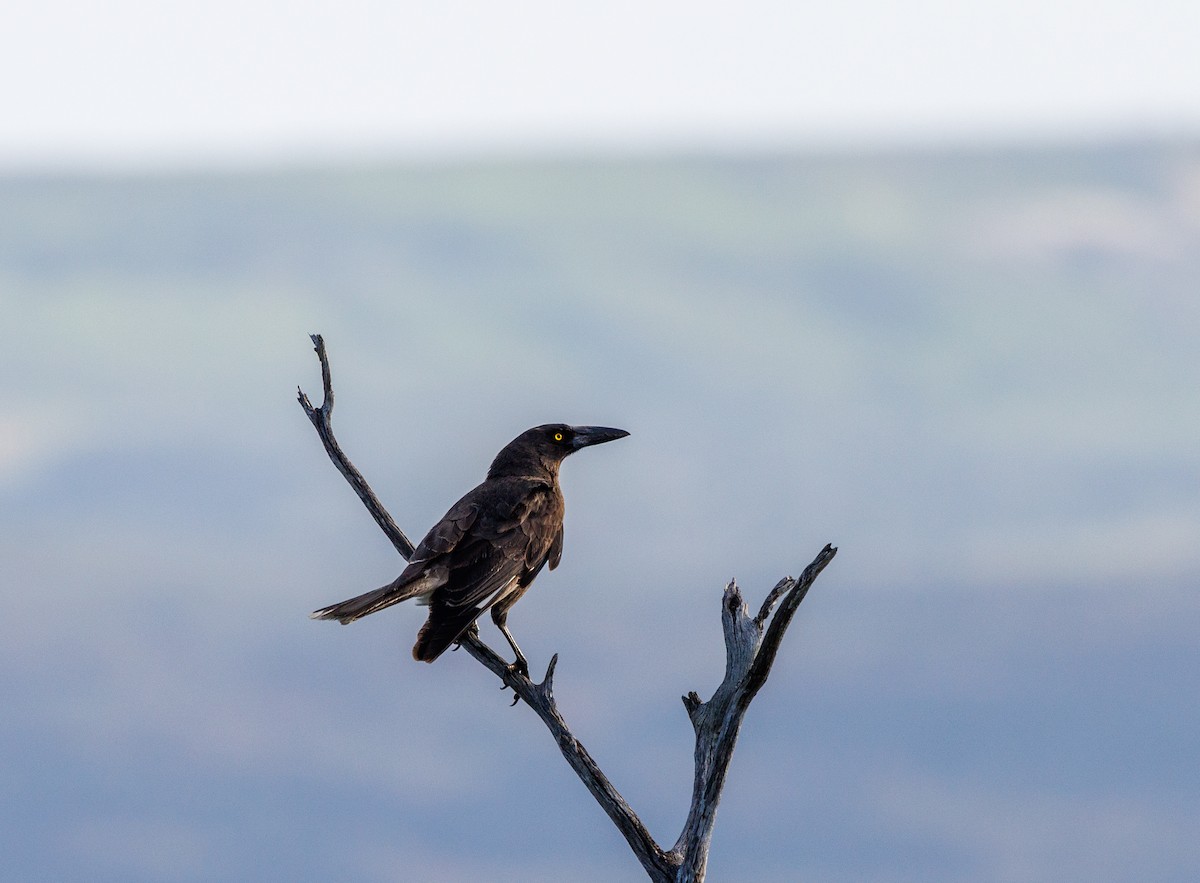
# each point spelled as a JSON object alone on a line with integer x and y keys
{"x": 444, "y": 536}
{"x": 478, "y": 570}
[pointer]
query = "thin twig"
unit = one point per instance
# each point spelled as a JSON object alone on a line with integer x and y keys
{"x": 322, "y": 419}
{"x": 780, "y": 587}
{"x": 765, "y": 658}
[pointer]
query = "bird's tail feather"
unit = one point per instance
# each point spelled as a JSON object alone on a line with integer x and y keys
{"x": 438, "y": 633}
{"x": 375, "y": 600}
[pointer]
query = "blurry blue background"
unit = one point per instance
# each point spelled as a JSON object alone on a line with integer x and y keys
{"x": 949, "y": 328}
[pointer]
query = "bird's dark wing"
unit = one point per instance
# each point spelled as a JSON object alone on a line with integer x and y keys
{"x": 507, "y": 546}
{"x": 540, "y": 527}
{"x": 479, "y": 569}
{"x": 480, "y": 573}
{"x": 510, "y": 537}
{"x": 445, "y": 536}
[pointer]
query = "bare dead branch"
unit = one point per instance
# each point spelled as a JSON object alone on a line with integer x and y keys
{"x": 749, "y": 654}
{"x": 322, "y": 420}
{"x": 540, "y": 697}
{"x": 769, "y": 603}
{"x": 782, "y": 619}
{"x": 748, "y": 659}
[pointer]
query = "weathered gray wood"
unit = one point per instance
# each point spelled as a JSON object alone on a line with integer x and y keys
{"x": 540, "y": 697}
{"x": 748, "y": 658}
{"x": 751, "y": 645}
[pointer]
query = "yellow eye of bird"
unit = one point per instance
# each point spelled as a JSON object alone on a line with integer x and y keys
{"x": 558, "y": 436}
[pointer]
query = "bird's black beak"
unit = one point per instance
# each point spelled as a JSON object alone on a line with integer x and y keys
{"x": 583, "y": 436}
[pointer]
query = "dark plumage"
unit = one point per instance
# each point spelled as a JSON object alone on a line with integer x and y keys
{"x": 487, "y": 549}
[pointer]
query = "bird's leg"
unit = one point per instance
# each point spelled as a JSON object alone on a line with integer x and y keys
{"x": 521, "y": 665}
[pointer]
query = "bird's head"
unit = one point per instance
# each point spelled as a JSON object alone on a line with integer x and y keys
{"x": 544, "y": 447}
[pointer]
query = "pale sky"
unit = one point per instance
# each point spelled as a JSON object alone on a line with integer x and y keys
{"x": 133, "y": 82}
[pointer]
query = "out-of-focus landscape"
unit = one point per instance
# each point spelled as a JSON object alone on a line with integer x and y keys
{"x": 975, "y": 370}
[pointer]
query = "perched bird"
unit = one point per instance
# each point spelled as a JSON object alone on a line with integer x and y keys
{"x": 487, "y": 549}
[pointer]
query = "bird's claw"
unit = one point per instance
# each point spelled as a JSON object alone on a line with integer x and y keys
{"x": 505, "y": 685}
{"x": 520, "y": 667}
{"x": 471, "y": 632}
